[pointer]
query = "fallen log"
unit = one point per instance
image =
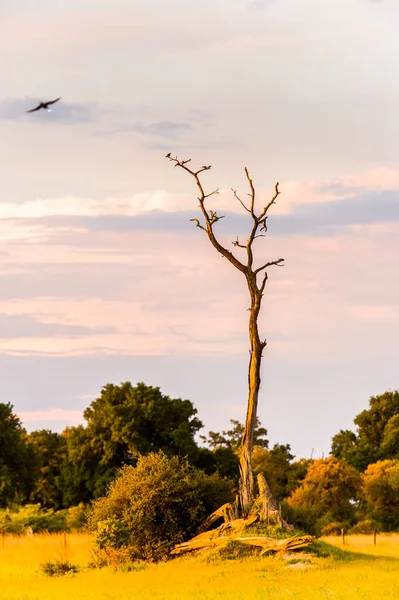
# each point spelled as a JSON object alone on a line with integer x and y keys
{"x": 211, "y": 539}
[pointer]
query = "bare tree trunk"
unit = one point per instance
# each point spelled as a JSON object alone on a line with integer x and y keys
{"x": 257, "y": 230}
{"x": 246, "y": 490}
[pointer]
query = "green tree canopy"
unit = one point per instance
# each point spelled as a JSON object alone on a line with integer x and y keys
{"x": 48, "y": 453}
{"x": 381, "y": 490}
{"x": 232, "y": 437}
{"x": 15, "y": 467}
{"x": 123, "y": 422}
{"x": 377, "y": 433}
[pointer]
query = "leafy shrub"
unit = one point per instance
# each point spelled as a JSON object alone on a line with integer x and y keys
{"x": 154, "y": 506}
{"x": 366, "y": 526}
{"x": 76, "y": 517}
{"x": 58, "y": 568}
{"x": 335, "y": 528}
{"x": 19, "y": 519}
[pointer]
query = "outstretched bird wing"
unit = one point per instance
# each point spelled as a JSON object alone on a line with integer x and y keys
{"x": 33, "y": 109}
{"x": 53, "y": 101}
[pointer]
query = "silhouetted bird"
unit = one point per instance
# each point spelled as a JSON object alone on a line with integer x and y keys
{"x": 44, "y": 105}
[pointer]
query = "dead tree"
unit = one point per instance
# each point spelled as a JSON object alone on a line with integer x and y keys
{"x": 256, "y": 278}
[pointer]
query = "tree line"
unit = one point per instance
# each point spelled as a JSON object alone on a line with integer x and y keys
{"x": 358, "y": 483}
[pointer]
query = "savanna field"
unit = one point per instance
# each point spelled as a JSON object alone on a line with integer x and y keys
{"x": 361, "y": 571}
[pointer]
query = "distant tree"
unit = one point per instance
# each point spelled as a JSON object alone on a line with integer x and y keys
{"x": 297, "y": 473}
{"x": 122, "y": 423}
{"x": 381, "y": 490}
{"x": 86, "y": 474}
{"x": 328, "y": 493}
{"x": 283, "y": 474}
{"x": 15, "y": 465}
{"x": 232, "y": 438}
{"x": 377, "y": 435}
{"x": 48, "y": 454}
{"x": 125, "y": 421}
{"x": 275, "y": 464}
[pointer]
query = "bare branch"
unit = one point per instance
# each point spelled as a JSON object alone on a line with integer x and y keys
{"x": 212, "y": 193}
{"x": 214, "y": 217}
{"x": 239, "y": 200}
{"x": 237, "y": 243}
{"x": 263, "y": 285}
{"x": 198, "y": 224}
{"x": 210, "y": 217}
{"x": 272, "y": 201}
{"x": 270, "y": 264}
{"x": 203, "y": 169}
{"x": 252, "y": 194}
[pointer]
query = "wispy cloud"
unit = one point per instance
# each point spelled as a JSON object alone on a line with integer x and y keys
{"x": 62, "y": 113}
{"x": 164, "y": 129}
{"x": 31, "y": 326}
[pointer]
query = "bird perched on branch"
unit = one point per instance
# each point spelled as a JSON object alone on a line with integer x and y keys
{"x": 44, "y": 105}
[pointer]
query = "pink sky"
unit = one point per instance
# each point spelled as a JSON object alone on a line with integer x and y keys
{"x": 100, "y": 262}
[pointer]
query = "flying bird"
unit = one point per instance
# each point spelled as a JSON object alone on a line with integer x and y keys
{"x": 44, "y": 105}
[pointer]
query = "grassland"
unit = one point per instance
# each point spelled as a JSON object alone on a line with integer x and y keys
{"x": 322, "y": 574}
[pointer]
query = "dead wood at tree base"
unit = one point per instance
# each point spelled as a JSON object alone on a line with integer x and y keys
{"x": 270, "y": 511}
{"x": 210, "y": 540}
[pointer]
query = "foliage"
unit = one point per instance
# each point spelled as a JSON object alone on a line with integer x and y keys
{"x": 160, "y": 502}
{"x": 15, "y": 472}
{"x": 335, "y": 528}
{"x": 19, "y": 519}
{"x": 328, "y": 493}
{"x": 123, "y": 422}
{"x": 377, "y": 436}
{"x": 381, "y": 490}
{"x": 232, "y": 438}
{"x": 55, "y": 569}
{"x": 283, "y": 475}
{"x": 365, "y": 526}
{"x": 48, "y": 452}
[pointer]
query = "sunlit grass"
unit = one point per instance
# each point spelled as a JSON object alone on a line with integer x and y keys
{"x": 196, "y": 578}
{"x": 386, "y": 544}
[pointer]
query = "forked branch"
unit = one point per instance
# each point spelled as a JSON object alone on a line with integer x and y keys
{"x": 259, "y": 227}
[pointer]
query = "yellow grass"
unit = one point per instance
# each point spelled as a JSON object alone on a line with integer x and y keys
{"x": 187, "y": 578}
{"x": 386, "y": 544}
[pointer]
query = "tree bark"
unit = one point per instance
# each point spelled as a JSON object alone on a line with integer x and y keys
{"x": 246, "y": 487}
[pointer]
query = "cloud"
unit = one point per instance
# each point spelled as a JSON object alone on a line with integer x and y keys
{"x": 30, "y": 326}
{"x": 166, "y": 129}
{"x": 63, "y": 112}
{"x": 326, "y": 218}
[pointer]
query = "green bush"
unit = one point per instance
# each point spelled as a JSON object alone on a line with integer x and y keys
{"x": 76, "y": 517}
{"x": 366, "y": 526}
{"x": 17, "y": 520}
{"x": 335, "y": 528}
{"x": 152, "y": 507}
{"x": 55, "y": 569}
